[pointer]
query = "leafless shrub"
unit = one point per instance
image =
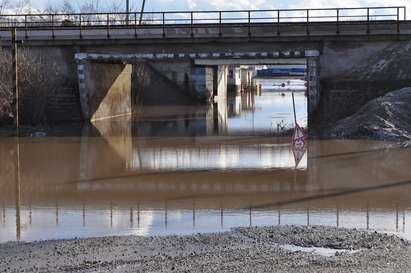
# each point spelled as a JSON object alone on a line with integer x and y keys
{"x": 5, "y": 88}
{"x": 39, "y": 77}
{"x": 4, "y": 4}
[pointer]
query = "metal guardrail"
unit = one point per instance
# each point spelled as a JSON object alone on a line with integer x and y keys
{"x": 193, "y": 19}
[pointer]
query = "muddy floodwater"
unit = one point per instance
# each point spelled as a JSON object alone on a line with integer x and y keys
{"x": 182, "y": 170}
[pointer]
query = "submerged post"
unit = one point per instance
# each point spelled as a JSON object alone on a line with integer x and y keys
{"x": 15, "y": 76}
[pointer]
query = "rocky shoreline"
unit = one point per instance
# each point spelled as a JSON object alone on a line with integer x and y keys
{"x": 385, "y": 118}
{"x": 265, "y": 249}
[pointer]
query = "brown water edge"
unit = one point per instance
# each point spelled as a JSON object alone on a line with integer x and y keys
{"x": 71, "y": 187}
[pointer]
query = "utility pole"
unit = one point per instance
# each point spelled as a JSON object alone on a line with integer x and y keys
{"x": 15, "y": 76}
{"x": 142, "y": 11}
{"x": 127, "y": 11}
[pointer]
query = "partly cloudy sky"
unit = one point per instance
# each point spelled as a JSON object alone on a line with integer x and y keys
{"x": 160, "y": 5}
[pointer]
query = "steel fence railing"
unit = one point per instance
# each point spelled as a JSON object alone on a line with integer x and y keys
{"x": 193, "y": 19}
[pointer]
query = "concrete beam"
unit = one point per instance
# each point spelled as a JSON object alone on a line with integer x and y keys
{"x": 217, "y": 58}
{"x": 245, "y": 61}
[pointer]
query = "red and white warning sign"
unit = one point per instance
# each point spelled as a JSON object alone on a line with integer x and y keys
{"x": 299, "y": 144}
{"x": 299, "y": 138}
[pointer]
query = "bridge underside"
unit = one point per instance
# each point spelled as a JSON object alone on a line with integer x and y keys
{"x": 172, "y": 79}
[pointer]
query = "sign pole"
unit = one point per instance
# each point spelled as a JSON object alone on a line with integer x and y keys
{"x": 295, "y": 115}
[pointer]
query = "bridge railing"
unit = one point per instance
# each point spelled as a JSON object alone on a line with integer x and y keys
{"x": 193, "y": 19}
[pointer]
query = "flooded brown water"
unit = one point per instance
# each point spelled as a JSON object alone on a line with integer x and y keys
{"x": 172, "y": 174}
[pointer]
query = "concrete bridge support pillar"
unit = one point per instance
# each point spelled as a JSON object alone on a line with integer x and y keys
{"x": 221, "y": 83}
{"x": 211, "y": 82}
{"x": 217, "y": 115}
{"x": 234, "y": 80}
{"x": 105, "y": 89}
{"x": 313, "y": 80}
{"x": 204, "y": 81}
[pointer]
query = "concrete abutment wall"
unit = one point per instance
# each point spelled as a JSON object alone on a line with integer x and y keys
{"x": 105, "y": 90}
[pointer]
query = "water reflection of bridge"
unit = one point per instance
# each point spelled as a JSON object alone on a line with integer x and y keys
{"x": 90, "y": 178}
{"x": 141, "y": 217}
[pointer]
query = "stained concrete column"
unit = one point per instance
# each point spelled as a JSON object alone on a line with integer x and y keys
{"x": 313, "y": 80}
{"x": 105, "y": 89}
{"x": 234, "y": 80}
{"x": 204, "y": 81}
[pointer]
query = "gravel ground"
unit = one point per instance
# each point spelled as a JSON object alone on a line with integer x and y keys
{"x": 241, "y": 250}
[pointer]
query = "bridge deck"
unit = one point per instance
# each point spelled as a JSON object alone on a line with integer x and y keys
{"x": 207, "y": 31}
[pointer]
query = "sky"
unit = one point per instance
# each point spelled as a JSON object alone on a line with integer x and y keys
{"x": 160, "y": 5}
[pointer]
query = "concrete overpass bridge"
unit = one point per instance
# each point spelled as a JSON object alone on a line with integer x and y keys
{"x": 182, "y": 56}
{"x": 287, "y": 23}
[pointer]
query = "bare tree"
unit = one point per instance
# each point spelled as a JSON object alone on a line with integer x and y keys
{"x": 6, "y": 112}
{"x": 67, "y": 7}
{"x": 116, "y": 6}
{"x": 51, "y": 9}
{"x": 4, "y": 5}
{"x": 39, "y": 77}
{"x": 90, "y": 6}
{"x": 22, "y": 6}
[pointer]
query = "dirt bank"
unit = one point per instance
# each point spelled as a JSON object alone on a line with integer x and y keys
{"x": 241, "y": 250}
{"x": 384, "y": 118}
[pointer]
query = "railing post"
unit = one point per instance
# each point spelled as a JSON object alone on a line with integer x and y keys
{"x": 398, "y": 20}
{"x": 25, "y": 27}
{"x": 249, "y": 23}
{"x": 191, "y": 24}
{"x": 278, "y": 22}
{"x": 164, "y": 24}
{"x": 220, "y": 30}
{"x": 308, "y": 22}
{"x": 405, "y": 13}
{"x": 368, "y": 20}
{"x": 81, "y": 27}
{"x": 52, "y": 26}
{"x": 338, "y": 21}
{"x": 108, "y": 26}
{"x": 135, "y": 24}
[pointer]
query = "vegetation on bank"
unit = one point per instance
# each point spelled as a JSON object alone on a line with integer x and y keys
{"x": 38, "y": 76}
